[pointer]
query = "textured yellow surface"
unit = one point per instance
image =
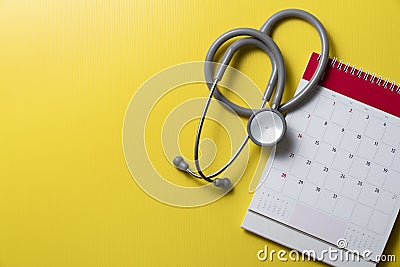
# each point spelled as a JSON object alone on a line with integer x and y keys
{"x": 68, "y": 70}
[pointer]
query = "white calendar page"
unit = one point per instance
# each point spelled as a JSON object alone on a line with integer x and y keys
{"x": 336, "y": 173}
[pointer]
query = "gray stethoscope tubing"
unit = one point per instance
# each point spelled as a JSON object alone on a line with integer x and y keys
{"x": 260, "y": 38}
{"x": 232, "y": 49}
{"x": 276, "y": 59}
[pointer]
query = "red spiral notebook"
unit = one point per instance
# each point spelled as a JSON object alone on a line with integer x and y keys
{"x": 334, "y": 183}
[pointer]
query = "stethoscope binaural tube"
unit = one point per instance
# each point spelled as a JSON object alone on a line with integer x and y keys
{"x": 260, "y": 38}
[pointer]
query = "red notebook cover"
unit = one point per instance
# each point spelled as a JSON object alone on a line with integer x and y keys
{"x": 360, "y": 86}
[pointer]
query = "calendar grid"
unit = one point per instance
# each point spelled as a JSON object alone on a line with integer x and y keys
{"x": 362, "y": 181}
{"x": 339, "y": 163}
{"x": 360, "y": 144}
{"x": 347, "y": 125}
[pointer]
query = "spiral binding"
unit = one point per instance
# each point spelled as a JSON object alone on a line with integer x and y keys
{"x": 372, "y": 78}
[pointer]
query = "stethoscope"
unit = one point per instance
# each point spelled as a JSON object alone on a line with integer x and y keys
{"x": 266, "y": 126}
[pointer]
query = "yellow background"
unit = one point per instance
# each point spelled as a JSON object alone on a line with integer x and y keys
{"x": 68, "y": 70}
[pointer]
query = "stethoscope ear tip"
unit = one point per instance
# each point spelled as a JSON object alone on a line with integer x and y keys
{"x": 222, "y": 182}
{"x": 180, "y": 163}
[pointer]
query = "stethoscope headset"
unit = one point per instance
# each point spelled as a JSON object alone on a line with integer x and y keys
{"x": 266, "y": 126}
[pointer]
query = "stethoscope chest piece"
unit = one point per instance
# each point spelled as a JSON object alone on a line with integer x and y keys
{"x": 266, "y": 127}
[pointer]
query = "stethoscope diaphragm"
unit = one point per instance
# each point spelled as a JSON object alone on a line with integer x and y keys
{"x": 266, "y": 127}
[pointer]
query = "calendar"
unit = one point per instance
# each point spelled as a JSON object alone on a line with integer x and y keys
{"x": 336, "y": 173}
